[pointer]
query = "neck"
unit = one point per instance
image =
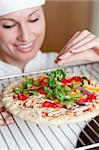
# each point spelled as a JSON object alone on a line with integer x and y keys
{"x": 19, "y": 64}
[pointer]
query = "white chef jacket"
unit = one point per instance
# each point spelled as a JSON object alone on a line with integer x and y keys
{"x": 42, "y": 61}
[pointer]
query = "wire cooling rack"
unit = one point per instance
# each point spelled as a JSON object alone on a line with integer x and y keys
{"x": 25, "y": 136}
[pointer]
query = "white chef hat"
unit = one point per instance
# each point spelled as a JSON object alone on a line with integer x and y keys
{"x": 8, "y": 6}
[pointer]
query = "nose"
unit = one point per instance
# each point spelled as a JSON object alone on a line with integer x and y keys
{"x": 24, "y": 33}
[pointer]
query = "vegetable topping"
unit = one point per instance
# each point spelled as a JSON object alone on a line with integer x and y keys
{"x": 62, "y": 91}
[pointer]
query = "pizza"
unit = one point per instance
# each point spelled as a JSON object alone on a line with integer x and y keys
{"x": 53, "y": 97}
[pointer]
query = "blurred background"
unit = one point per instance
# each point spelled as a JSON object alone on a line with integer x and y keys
{"x": 65, "y": 17}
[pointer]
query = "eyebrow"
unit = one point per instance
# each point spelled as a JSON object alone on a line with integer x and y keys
{"x": 10, "y": 19}
{"x": 33, "y": 12}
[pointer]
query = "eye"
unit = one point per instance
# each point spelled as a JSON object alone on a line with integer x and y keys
{"x": 34, "y": 20}
{"x": 8, "y": 26}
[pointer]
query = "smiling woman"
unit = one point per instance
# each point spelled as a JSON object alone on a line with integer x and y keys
{"x": 22, "y": 31}
{"x": 21, "y": 36}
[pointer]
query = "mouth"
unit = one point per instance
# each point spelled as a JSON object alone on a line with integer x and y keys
{"x": 25, "y": 47}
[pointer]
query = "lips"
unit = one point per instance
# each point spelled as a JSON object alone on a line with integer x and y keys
{"x": 25, "y": 47}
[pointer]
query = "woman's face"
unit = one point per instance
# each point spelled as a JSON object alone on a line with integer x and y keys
{"x": 21, "y": 35}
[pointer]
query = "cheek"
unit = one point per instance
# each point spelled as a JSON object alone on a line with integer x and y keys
{"x": 6, "y": 37}
{"x": 39, "y": 27}
{"x": 40, "y": 36}
{"x": 41, "y": 32}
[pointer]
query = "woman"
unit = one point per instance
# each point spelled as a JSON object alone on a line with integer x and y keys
{"x": 22, "y": 31}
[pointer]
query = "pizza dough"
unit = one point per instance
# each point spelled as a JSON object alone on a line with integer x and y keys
{"x": 53, "y": 97}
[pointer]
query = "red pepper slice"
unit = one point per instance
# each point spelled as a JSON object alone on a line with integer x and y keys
{"x": 66, "y": 81}
{"x": 52, "y": 105}
{"x": 22, "y": 97}
{"x": 88, "y": 109}
{"x": 75, "y": 78}
{"x": 41, "y": 91}
{"x": 43, "y": 81}
{"x": 49, "y": 104}
{"x": 90, "y": 97}
{"x": 59, "y": 105}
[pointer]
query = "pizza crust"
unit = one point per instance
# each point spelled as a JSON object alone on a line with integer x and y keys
{"x": 29, "y": 114}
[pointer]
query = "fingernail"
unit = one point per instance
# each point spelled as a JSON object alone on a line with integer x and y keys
{"x": 65, "y": 55}
{"x": 56, "y": 60}
{"x": 60, "y": 62}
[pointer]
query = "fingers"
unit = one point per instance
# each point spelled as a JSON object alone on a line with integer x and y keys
{"x": 73, "y": 37}
{"x": 81, "y": 41}
{"x": 69, "y": 60}
{"x": 76, "y": 49}
{"x": 7, "y": 121}
{"x": 90, "y": 45}
{"x": 80, "y": 37}
{"x": 5, "y": 114}
{"x": 4, "y": 118}
{"x": 65, "y": 47}
{"x": 2, "y": 109}
{"x": 88, "y": 55}
{"x": 62, "y": 57}
{"x": 77, "y": 38}
{"x": 87, "y": 43}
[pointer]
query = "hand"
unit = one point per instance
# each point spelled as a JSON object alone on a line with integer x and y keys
{"x": 6, "y": 116}
{"x": 82, "y": 46}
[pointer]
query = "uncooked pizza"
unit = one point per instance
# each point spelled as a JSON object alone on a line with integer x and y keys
{"x": 53, "y": 97}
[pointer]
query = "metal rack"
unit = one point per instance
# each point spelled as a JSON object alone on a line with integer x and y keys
{"x": 25, "y": 136}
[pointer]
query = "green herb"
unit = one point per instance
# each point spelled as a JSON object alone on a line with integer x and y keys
{"x": 34, "y": 93}
{"x": 25, "y": 91}
{"x": 60, "y": 94}
{"x": 69, "y": 104}
{"x": 49, "y": 92}
{"x": 51, "y": 83}
{"x": 17, "y": 91}
{"x": 58, "y": 74}
{"x": 67, "y": 89}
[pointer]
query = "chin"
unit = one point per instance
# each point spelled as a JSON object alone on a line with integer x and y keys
{"x": 27, "y": 57}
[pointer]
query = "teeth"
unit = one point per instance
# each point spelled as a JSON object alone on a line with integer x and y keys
{"x": 25, "y": 46}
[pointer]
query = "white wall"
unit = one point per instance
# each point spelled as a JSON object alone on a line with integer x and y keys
{"x": 95, "y": 18}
